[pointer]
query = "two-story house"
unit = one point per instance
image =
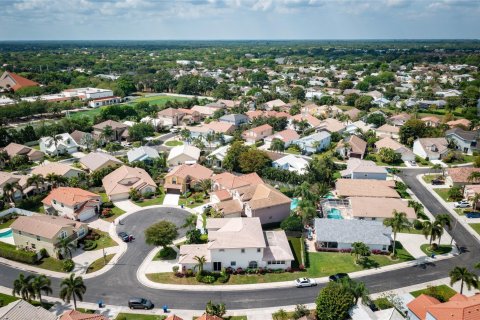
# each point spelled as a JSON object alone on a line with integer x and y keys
{"x": 60, "y": 144}
{"x": 119, "y": 131}
{"x": 463, "y": 140}
{"x": 45, "y": 232}
{"x": 72, "y": 203}
{"x": 258, "y": 133}
{"x": 315, "y": 142}
{"x": 238, "y": 243}
{"x": 430, "y": 148}
{"x": 185, "y": 177}
{"x": 15, "y": 149}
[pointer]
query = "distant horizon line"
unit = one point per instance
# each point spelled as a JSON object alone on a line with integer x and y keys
{"x": 246, "y": 39}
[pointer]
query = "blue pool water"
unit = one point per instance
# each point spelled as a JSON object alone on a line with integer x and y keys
{"x": 294, "y": 204}
{"x": 330, "y": 196}
{"x": 334, "y": 213}
{"x": 6, "y": 234}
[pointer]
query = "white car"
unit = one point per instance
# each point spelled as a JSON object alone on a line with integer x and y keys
{"x": 305, "y": 282}
{"x": 462, "y": 204}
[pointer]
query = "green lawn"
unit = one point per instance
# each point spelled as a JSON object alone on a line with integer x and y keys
{"x": 6, "y": 223}
{"x": 476, "y": 227}
{"x": 443, "y": 193}
{"x": 297, "y": 248}
{"x": 133, "y": 316}
{"x": 116, "y": 212}
{"x": 191, "y": 202}
{"x": 151, "y": 202}
{"x": 466, "y": 159}
{"x": 160, "y": 100}
{"x": 401, "y": 253}
{"x": 99, "y": 263}
{"x": 51, "y": 264}
{"x": 379, "y": 162}
{"x": 105, "y": 240}
{"x": 461, "y": 211}
{"x": 429, "y": 177}
{"x": 292, "y": 151}
{"x": 442, "y": 292}
{"x": 321, "y": 264}
{"x": 442, "y": 249}
{"x": 173, "y": 143}
{"x": 87, "y": 113}
{"x": 229, "y": 318}
{"x": 6, "y": 299}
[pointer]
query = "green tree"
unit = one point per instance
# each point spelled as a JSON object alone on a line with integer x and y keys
{"x": 140, "y": 131}
{"x": 360, "y": 249}
{"x": 292, "y": 223}
{"x": 377, "y": 119}
{"x": 411, "y": 130}
{"x": 434, "y": 230}
{"x": 345, "y": 84}
{"x": 231, "y": 161}
{"x": 444, "y": 221}
{"x": 65, "y": 247}
{"x": 280, "y": 315}
{"x": 389, "y": 156}
{"x": 253, "y": 160}
{"x": 126, "y": 84}
{"x": 357, "y": 289}
{"x": 466, "y": 277}
{"x": 35, "y": 180}
{"x": 298, "y": 93}
{"x": 9, "y": 190}
{"x": 72, "y": 287}
{"x": 333, "y": 302}
{"x": 398, "y": 223}
{"x": 277, "y": 145}
{"x": 364, "y": 103}
{"x": 41, "y": 284}
{"x": 201, "y": 260}
{"x": 161, "y": 234}
{"x": 214, "y": 309}
{"x": 22, "y": 286}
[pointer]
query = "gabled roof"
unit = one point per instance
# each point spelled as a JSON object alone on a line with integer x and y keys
{"x": 461, "y": 174}
{"x": 262, "y": 196}
{"x": 22, "y": 310}
{"x": 286, "y": 135}
{"x": 388, "y": 128}
{"x": 420, "y": 304}
{"x": 191, "y": 151}
{"x": 95, "y": 160}
{"x": 221, "y": 127}
{"x": 77, "y": 315}
{"x": 142, "y": 153}
{"x": 366, "y": 188}
{"x": 230, "y": 181}
{"x": 45, "y": 226}
{"x": 139, "y": 177}
{"x": 194, "y": 171}
{"x": 169, "y": 112}
{"x": 69, "y": 196}
{"x": 357, "y": 145}
{"x": 113, "y": 124}
{"x": 19, "y": 81}
{"x": 312, "y": 121}
{"x": 54, "y": 167}
{"x": 226, "y": 233}
{"x": 463, "y": 134}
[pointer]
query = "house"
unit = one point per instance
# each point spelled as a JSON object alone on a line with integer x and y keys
{"x": 363, "y": 169}
{"x": 291, "y": 163}
{"x": 238, "y": 243}
{"x": 399, "y": 119}
{"x": 15, "y": 149}
{"x": 220, "y": 127}
{"x": 340, "y": 234}
{"x": 107, "y": 101}
{"x": 119, "y": 131}
{"x": 315, "y": 142}
{"x": 431, "y": 121}
{"x": 266, "y": 114}
{"x": 143, "y": 153}
{"x": 234, "y": 119}
{"x": 287, "y": 136}
{"x": 352, "y": 147}
{"x": 205, "y": 111}
{"x": 228, "y": 181}
{"x": 470, "y": 191}
{"x": 83, "y": 139}
{"x": 170, "y": 117}
{"x": 119, "y": 183}
{"x": 311, "y": 121}
{"x": 57, "y": 168}
{"x": 387, "y": 142}
{"x": 22, "y": 310}
{"x": 430, "y": 148}
{"x": 183, "y": 154}
{"x": 345, "y": 188}
{"x": 77, "y": 315}
{"x": 258, "y": 133}
{"x": 72, "y": 203}
{"x": 463, "y": 140}
{"x": 353, "y": 113}
{"x": 388, "y": 131}
{"x": 277, "y": 103}
{"x": 216, "y": 157}
{"x": 15, "y": 82}
{"x": 174, "y": 317}
{"x": 184, "y": 177}
{"x": 10, "y": 178}
{"x": 190, "y": 116}
{"x": 39, "y": 232}
{"x": 458, "y": 307}
{"x": 375, "y": 208}
{"x": 331, "y": 125}
{"x": 460, "y": 176}
{"x": 60, "y": 144}
{"x": 462, "y": 123}
{"x": 95, "y": 161}
{"x": 357, "y": 127}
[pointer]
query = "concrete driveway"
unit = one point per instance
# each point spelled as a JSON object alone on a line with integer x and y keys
{"x": 171, "y": 199}
{"x": 126, "y": 205}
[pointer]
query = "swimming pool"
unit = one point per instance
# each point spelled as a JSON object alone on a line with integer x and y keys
{"x": 330, "y": 196}
{"x": 294, "y": 204}
{"x": 6, "y": 234}
{"x": 334, "y": 213}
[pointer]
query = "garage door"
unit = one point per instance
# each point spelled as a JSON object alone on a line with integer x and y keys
{"x": 173, "y": 191}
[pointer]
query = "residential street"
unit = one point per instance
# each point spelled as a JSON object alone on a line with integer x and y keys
{"x": 120, "y": 283}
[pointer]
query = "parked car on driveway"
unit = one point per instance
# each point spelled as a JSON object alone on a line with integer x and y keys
{"x": 338, "y": 277}
{"x": 437, "y": 182}
{"x": 473, "y": 214}
{"x": 462, "y": 204}
{"x": 140, "y": 303}
{"x": 124, "y": 236}
{"x": 305, "y": 282}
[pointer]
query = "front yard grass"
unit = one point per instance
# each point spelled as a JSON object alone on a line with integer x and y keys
{"x": 322, "y": 264}
{"x": 297, "y": 250}
{"x": 441, "y": 249}
{"x": 443, "y": 193}
{"x": 292, "y": 150}
{"x": 192, "y": 201}
{"x": 116, "y": 212}
{"x": 99, "y": 263}
{"x": 442, "y": 292}
{"x": 104, "y": 241}
{"x": 460, "y": 211}
{"x": 476, "y": 227}
{"x": 6, "y": 299}
{"x": 173, "y": 143}
{"x": 51, "y": 264}
{"x": 138, "y": 316}
{"x": 428, "y": 178}
{"x": 151, "y": 202}
{"x": 401, "y": 253}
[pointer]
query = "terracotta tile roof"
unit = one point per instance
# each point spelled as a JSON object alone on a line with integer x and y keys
{"x": 312, "y": 121}
{"x": 258, "y": 130}
{"x": 222, "y": 127}
{"x": 388, "y": 128}
{"x": 70, "y": 196}
{"x": 420, "y": 304}
{"x": 170, "y": 112}
{"x": 366, "y": 188}
{"x": 461, "y": 174}
{"x": 459, "y": 307}
{"x": 222, "y": 195}
{"x": 44, "y": 225}
{"x": 18, "y": 81}
{"x": 173, "y": 317}
{"x": 262, "y": 196}
{"x": 286, "y": 135}
{"x": 229, "y": 181}
{"x": 331, "y": 125}
{"x": 77, "y": 315}
{"x": 194, "y": 171}
{"x": 463, "y": 122}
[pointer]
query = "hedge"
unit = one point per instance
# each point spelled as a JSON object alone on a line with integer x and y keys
{"x": 10, "y": 252}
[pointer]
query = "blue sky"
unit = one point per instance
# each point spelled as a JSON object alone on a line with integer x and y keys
{"x": 238, "y": 19}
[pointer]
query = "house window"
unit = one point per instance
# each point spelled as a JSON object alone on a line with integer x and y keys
{"x": 233, "y": 263}
{"x": 63, "y": 234}
{"x": 253, "y": 264}
{"x": 222, "y": 250}
{"x": 19, "y": 232}
{"x": 243, "y": 250}
{"x": 33, "y": 246}
{"x": 384, "y": 248}
{"x": 373, "y": 219}
{"x": 62, "y": 205}
{"x": 54, "y": 201}
{"x": 259, "y": 250}
{"x": 38, "y": 238}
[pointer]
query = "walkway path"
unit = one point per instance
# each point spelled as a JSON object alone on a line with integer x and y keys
{"x": 84, "y": 258}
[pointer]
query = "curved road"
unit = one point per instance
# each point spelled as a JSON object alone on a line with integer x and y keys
{"x": 120, "y": 283}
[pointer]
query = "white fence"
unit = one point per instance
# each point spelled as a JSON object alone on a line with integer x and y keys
{"x": 17, "y": 211}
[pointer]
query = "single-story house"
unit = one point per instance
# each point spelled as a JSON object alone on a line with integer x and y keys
{"x": 463, "y": 140}
{"x": 315, "y": 142}
{"x": 277, "y": 103}
{"x": 184, "y": 177}
{"x": 352, "y": 147}
{"x": 363, "y": 169}
{"x": 22, "y": 310}
{"x": 64, "y": 144}
{"x": 238, "y": 243}
{"x": 353, "y": 113}
{"x": 234, "y": 119}
{"x": 431, "y": 121}
{"x": 345, "y": 188}
{"x": 387, "y": 142}
{"x": 308, "y": 118}
{"x": 183, "y": 154}
{"x": 95, "y": 161}
{"x": 220, "y": 127}
{"x": 45, "y": 232}
{"x": 118, "y": 183}
{"x": 72, "y": 203}
{"x": 340, "y": 234}
{"x": 83, "y": 139}
{"x": 143, "y": 153}
{"x": 331, "y": 125}
{"x": 15, "y": 149}
{"x": 388, "y": 131}
{"x": 57, "y": 168}
{"x": 287, "y": 136}
{"x": 460, "y": 176}
{"x": 462, "y": 123}
{"x": 258, "y": 133}
{"x": 374, "y": 208}
{"x": 430, "y": 148}
{"x": 292, "y": 163}
{"x": 399, "y": 120}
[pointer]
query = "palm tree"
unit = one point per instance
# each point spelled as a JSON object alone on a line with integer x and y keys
{"x": 475, "y": 200}
{"x": 185, "y": 134}
{"x": 39, "y": 284}
{"x": 474, "y": 177}
{"x": 107, "y": 133}
{"x": 72, "y": 287}
{"x": 433, "y": 230}
{"x": 360, "y": 249}
{"x": 307, "y": 209}
{"x": 9, "y": 190}
{"x": 190, "y": 222}
{"x": 200, "y": 262}
{"x": 398, "y": 223}
{"x": 35, "y": 179}
{"x": 210, "y": 137}
{"x": 304, "y": 191}
{"x": 22, "y": 286}
{"x": 277, "y": 145}
{"x": 65, "y": 246}
{"x": 205, "y": 185}
{"x": 443, "y": 220}
{"x": 52, "y": 178}
{"x": 55, "y": 139}
{"x": 466, "y": 277}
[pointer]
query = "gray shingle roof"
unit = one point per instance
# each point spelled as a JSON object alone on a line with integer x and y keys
{"x": 352, "y": 230}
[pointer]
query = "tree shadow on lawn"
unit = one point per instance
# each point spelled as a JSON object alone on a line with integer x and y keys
{"x": 368, "y": 263}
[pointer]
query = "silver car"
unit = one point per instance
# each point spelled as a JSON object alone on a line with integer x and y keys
{"x": 305, "y": 282}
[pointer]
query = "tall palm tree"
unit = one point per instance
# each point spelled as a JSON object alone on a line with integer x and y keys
{"x": 210, "y": 137}
{"x": 466, "y": 277}
{"x": 475, "y": 200}
{"x": 304, "y": 191}
{"x": 398, "y": 223}
{"x": 22, "y": 286}
{"x": 443, "y": 220}
{"x": 65, "y": 246}
{"x": 72, "y": 287}
{"x": 201, "y": 260}
{"x": 190, "y": 222}
{"x": 360, "y": 249}
{"x": 36, "y": 180}
{"x": 41, "y": 284}
{"x": 9, "y": 190}
{"x": 433, "y": 230}
{"x": 52, "y": 178}
{"x": 205, "y": 185}
{"x": 277, "y": 145}
{"x": 307, "y": 210}
{"x": 474, "y": 177}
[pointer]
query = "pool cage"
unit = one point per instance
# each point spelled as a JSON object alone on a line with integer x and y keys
{"x": 336, "y": 209}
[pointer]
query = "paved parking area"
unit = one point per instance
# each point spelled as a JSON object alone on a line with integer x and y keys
{"x": 171, "y": 199}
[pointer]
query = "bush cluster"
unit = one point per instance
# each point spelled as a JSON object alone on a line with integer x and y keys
{"x": 10, "y": 252}
{"x": 68, "y": 265}
{"x": 89, "y": 245}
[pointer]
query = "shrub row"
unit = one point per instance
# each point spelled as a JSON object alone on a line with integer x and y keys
{"x": 8, "y": 251}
